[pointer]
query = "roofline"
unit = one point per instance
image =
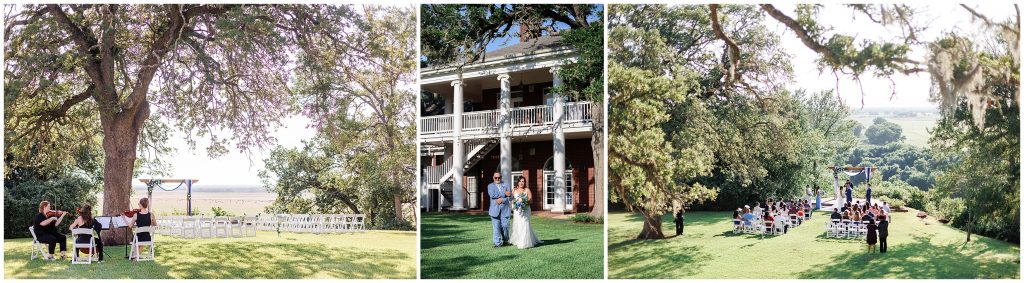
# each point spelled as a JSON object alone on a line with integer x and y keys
{"x": 538, "y": 55}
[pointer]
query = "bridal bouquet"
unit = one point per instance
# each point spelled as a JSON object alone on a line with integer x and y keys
{"x": 521, "y": 201}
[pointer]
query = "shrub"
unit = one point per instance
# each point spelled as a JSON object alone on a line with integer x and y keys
{"x": 219, "y": 211}
{"x": 585, "y": 218}
{"x": 23, "y": 191}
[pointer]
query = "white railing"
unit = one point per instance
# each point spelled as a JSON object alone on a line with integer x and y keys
{"x": 529, "y": 116}
{"x": 434, "y": 174}
{"x": 436, "y": 124}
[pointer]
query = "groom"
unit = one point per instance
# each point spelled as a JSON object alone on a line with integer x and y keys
{"x": 499, "y": 210}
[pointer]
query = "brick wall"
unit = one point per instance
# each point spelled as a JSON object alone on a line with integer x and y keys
{"x": 578, "y": 154}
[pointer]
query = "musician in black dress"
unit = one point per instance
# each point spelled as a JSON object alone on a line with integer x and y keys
{"x": 85, "y": 220}
{"x": 142, "y": 218}
{"x": 46, "y": 230}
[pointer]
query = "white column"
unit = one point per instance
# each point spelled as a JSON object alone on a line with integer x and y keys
{"x": 558, "y": 139}
{"x": 505, "y": 106}
{"x": 458, "y": 153}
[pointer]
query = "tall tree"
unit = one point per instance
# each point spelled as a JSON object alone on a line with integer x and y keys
{"x": 365, "y": 93}
{"x": 207, "y": 69}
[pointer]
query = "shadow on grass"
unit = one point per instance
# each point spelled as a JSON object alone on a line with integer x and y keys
{"x": 919, "y": 259}
{"x": 225, "y": 259}
{"x": 655, "y": 259}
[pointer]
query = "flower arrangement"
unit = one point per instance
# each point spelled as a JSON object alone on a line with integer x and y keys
{"x": 521, "y": 201}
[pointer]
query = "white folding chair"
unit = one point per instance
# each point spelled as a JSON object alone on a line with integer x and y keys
{"x": 90, "y": 247}
{"x": 136, "y": 243}
{"x": 235, "y": 226}
{"x": 360, "y": 225}
{"x": 189, "y": 227}
{"x": 37, "y": 247}
{"x": 205, "y": 227}
{"x": 220, "y": 226}
{"x": 248, "y": 224}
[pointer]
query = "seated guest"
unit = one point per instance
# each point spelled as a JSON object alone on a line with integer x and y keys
{"x": 85, "y": 220}
{"x": 747, "y": 216}
{"x": 856, "y": 216}
{"x": 793, "y": 209}
{"x": 46, "y": 231}
{"x": 736, "y": 215}
{"x": 835, "y": 214}
{"x": 848, "y": 215}
{"x": 757, "y": 208}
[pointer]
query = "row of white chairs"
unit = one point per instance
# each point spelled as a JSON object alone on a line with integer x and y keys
{"x": 207, "y": 226}
{"x": 759, "y": 226}
{"x": 312, "y": 223}
{"x": 846, "y": 229}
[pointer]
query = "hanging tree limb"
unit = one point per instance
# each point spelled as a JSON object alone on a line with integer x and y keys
{"x": 734, "y": 50}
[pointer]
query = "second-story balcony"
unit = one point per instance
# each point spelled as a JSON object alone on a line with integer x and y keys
{"x": 523, "y": 121}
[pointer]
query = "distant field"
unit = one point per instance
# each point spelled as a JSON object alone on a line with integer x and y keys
{"x": 173, "y": 202}
{"x": 914, "y": 128}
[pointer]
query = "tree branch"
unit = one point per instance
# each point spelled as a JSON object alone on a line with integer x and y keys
{"x": 734, "y": 50}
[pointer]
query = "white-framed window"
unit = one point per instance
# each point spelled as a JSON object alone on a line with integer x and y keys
{"x": 549, "y": 184}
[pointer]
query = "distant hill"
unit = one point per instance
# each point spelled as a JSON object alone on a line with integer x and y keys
{"x": 915, "y": 121}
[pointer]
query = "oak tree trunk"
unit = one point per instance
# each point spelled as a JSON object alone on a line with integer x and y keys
{"x": 652, "y": 227}
{"x": 597, "y": 146}
{"x": 120, "y": 142}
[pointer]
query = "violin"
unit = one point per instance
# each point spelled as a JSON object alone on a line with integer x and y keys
{"x": 130, "y": 213}
{"x": 55, "y": 213}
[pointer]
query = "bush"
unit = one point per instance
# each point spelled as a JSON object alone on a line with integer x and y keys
{"x": 893, "y": 202}
{"x": 23, "y": 190}
{"x": 586, "y": 218}
{"x": 219, "y": 211}
{"x": 894, "y": 191}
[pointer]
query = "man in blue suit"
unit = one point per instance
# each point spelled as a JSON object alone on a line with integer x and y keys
{"x": 499, "y": 211}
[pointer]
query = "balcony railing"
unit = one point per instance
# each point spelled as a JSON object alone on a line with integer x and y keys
{"x": 530, "y": 116}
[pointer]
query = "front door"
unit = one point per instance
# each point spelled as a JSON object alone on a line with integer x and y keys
{"x": 549, "y": 190}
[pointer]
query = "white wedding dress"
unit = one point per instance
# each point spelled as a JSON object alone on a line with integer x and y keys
{"x": 522, "y": 234}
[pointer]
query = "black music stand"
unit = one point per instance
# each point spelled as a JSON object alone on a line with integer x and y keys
{"x": 109, "y": 222}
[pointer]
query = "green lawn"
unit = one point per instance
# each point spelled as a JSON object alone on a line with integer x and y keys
{"x": 459, "y": 246}
{"x": 917, "y": 249}
{"x": 372, "y": 254}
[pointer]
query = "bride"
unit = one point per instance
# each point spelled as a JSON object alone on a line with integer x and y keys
{"x": 522, "y": 234}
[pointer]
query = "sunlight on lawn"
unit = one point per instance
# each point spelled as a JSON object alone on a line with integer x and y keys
{"x": 917, "y": 249}
{"x": 372, "y": 254}
{"x": 459, "y": 246}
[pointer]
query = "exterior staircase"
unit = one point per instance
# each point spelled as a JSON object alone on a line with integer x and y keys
{"x": 476, "y": 150}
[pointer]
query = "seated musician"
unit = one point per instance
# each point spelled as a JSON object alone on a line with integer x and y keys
{"x": 45, "y": 226}
{"x": 141, "y": 218}
{"x": 85, "y": 220}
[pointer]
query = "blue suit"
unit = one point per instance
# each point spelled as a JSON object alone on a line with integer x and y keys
{"x": 500, "y": 213}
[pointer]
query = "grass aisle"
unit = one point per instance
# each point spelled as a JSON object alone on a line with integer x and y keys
{"x": 459, "y": 246}
{"x": 710, "y": 250}
{"x": 372, "y": 254}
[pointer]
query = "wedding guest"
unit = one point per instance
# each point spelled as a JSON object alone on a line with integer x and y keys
{"x": 747, "y": 216}
{"x": 883, "y": 234}
{"x": 835, "y": 214}
{"x": 679, "y": 222}
{"x": 736, "y": 215}
{"x": 872, "y": 236}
